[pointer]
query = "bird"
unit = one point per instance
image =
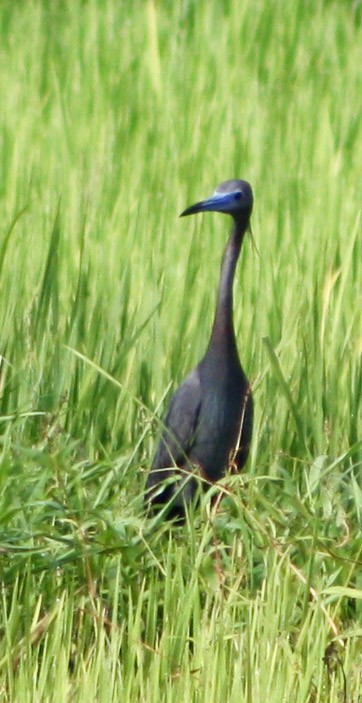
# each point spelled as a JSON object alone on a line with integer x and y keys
{"x": 209, "y": 422}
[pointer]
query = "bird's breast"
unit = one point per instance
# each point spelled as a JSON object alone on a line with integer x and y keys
{"x": 223, "y": 401}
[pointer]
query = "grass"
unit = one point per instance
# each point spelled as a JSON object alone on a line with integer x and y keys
{"x": 116, "y": 116}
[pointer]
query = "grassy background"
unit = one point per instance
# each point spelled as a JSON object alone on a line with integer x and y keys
{"x": 114, "y": 117}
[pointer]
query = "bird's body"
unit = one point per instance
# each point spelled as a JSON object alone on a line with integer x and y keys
{"x": 208, "y": 426}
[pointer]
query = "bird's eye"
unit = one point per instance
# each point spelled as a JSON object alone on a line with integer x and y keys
{"x": 237, "y": 196}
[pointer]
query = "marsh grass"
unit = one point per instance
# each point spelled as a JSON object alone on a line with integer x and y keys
{"x": 115, "y": 116}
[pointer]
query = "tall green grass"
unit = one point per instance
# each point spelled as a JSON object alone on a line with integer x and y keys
{"x": 115, "y": 116}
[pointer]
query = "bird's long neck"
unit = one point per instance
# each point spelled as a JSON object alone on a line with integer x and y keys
{"x": 223, "y": 335}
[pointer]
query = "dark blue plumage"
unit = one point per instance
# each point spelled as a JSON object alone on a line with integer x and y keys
{"x": 208, "y": 426}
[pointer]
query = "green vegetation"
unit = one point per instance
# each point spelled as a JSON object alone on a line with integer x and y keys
{"x": 116, "y": 115}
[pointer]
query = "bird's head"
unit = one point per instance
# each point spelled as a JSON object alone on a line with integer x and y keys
{"x": 234, "y": 198}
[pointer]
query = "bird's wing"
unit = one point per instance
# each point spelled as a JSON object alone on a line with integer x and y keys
{"x": 180, "y": 424}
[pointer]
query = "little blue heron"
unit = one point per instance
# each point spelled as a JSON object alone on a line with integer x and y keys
{"x": 209, "y": 422}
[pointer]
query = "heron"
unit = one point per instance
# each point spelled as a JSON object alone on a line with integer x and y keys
{"x": 208, "y": 425}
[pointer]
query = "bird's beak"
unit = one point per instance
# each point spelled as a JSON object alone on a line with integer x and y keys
{"x": 219, "y": 202}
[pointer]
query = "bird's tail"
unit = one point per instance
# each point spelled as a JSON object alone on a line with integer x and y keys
{"x": 170, "y": 489}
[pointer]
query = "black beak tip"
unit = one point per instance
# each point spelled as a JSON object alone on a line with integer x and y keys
{"x": 186, "y": 212}
{"x": 192, "y": 210}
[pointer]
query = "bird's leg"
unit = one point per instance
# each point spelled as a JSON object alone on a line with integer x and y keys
{"x": 219, "y": 570}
